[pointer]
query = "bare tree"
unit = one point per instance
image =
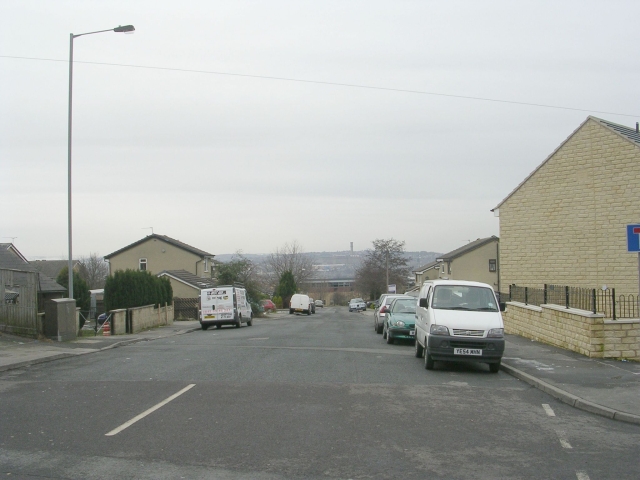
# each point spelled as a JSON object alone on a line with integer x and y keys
{"x": 289, "y": 257}
{"x": 384, "y": 265}
{"x": 94, "y": 270}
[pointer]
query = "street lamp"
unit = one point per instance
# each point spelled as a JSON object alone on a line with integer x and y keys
{"x": 120, "y": 29}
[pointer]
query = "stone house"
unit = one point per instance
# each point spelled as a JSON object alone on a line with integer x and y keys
{"x": 430, "y": 271}
{"x": 477, "y": 261}
{"x": 565, "y": 224}
{"x": 185, "y": 284}
{"x": 156, "y": 253}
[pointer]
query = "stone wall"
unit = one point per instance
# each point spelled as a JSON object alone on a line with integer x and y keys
{"x": 577, "y": 330}
{"x": 118, "y": 321}
{"x": 144, "y": 318}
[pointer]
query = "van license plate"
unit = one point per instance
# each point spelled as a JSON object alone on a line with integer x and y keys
{"x": 467, "y": 351}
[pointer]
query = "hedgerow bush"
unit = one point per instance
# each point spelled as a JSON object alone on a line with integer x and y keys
{"x": 136, "y": 288}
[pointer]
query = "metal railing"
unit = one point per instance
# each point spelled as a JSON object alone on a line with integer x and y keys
{"x": 590, "y": 299}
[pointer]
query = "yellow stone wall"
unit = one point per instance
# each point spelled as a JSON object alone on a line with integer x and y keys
{"x": 577, "y": 330}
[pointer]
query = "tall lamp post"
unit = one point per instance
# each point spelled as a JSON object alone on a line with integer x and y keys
{"x": 126, "y": 28}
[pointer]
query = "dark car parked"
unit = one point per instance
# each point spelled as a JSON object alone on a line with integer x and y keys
{"x": 400, "y": 321}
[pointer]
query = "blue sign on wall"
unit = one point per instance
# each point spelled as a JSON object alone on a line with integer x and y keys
{"x": 633, "y": 238}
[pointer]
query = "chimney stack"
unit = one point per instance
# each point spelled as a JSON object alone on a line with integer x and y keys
{"x": 637, "y": 127}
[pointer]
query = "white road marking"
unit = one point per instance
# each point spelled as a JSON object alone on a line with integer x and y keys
{"x": 582, "y": 475}
{"x": 548, "y": 409}
{"x": 562, "y": 436}
{"x": 147, "y": 412}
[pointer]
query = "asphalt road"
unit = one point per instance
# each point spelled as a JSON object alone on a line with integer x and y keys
{"x": 319, "y": 396}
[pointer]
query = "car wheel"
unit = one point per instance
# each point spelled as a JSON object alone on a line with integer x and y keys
{"x": 418, "y": 348}
{"x": 384, "y": 333}
{"x": 389, "y": 337}
{"x": 375, "y": 325}
{"x": 380, "y": 327}
{"x": 204, "y": 327}
{"x": 494, "y": 367}
{"x": 428, "y": 360}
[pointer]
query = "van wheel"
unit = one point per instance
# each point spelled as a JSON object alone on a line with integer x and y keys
{"x": 250, "y": 322}
{"x": 494, "y": 367}
{"x": 290, "y": 311}
{"x": 239, "y": 324}
{"x": 428, "y": 360}
{"x": 218, "y": 326}
{"x": 204, "y": 327}
{"x": 418, "y": 350}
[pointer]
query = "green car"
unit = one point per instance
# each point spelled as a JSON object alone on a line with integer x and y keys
{"x": 400, "y": 320}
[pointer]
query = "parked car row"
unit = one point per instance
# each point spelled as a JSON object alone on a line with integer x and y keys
{"x": 268, "y": 305}
{"x": 450, "y": 321}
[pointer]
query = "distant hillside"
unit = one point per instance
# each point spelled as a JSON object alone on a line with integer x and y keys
{"x": 339, "y": 264}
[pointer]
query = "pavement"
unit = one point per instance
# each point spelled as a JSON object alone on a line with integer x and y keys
{"x": 610, "y": 388}
{"x": 19, "y": 352}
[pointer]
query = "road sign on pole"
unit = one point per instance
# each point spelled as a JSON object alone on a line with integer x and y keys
{"x": 633, "y": 245}
{"x": 633, "y": 238}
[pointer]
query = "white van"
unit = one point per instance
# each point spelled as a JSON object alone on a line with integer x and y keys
{"x": 300, "y": 303}
{"x": 224, "y": 305}
{"x": 459, "y": 321}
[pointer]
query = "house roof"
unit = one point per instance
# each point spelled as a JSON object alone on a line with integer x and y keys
{"x": 189, "y": 279}
{"x": 52, "y": 268}
{"x": 447, "y": 257}
{"x": 164, "y": 238}
{"x": 630, "y": 134}
{"x": 426, "y": 267}
{"x": 11, "y": 247}
{"x": 49, "y": 285}
{"x": 10, "y": 257}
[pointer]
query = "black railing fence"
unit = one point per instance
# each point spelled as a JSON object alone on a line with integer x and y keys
{"x": 591, "y": 299}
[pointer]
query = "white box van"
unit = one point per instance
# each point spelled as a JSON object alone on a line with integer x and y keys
{"x": 459, "y": 321}
{"x": 300, "y": 303}
{"x": 224, "y": 305}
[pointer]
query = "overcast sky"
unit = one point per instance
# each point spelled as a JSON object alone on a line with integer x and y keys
{"x": 206, "y": 148}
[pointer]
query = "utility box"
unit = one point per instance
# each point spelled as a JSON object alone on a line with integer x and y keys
{"x": 60, "y": 319}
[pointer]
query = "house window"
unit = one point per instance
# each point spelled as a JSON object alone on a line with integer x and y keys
{"x": 143, "y": 264}
{"x": 206, "y": 265}
{"x": 492, "y": 265}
